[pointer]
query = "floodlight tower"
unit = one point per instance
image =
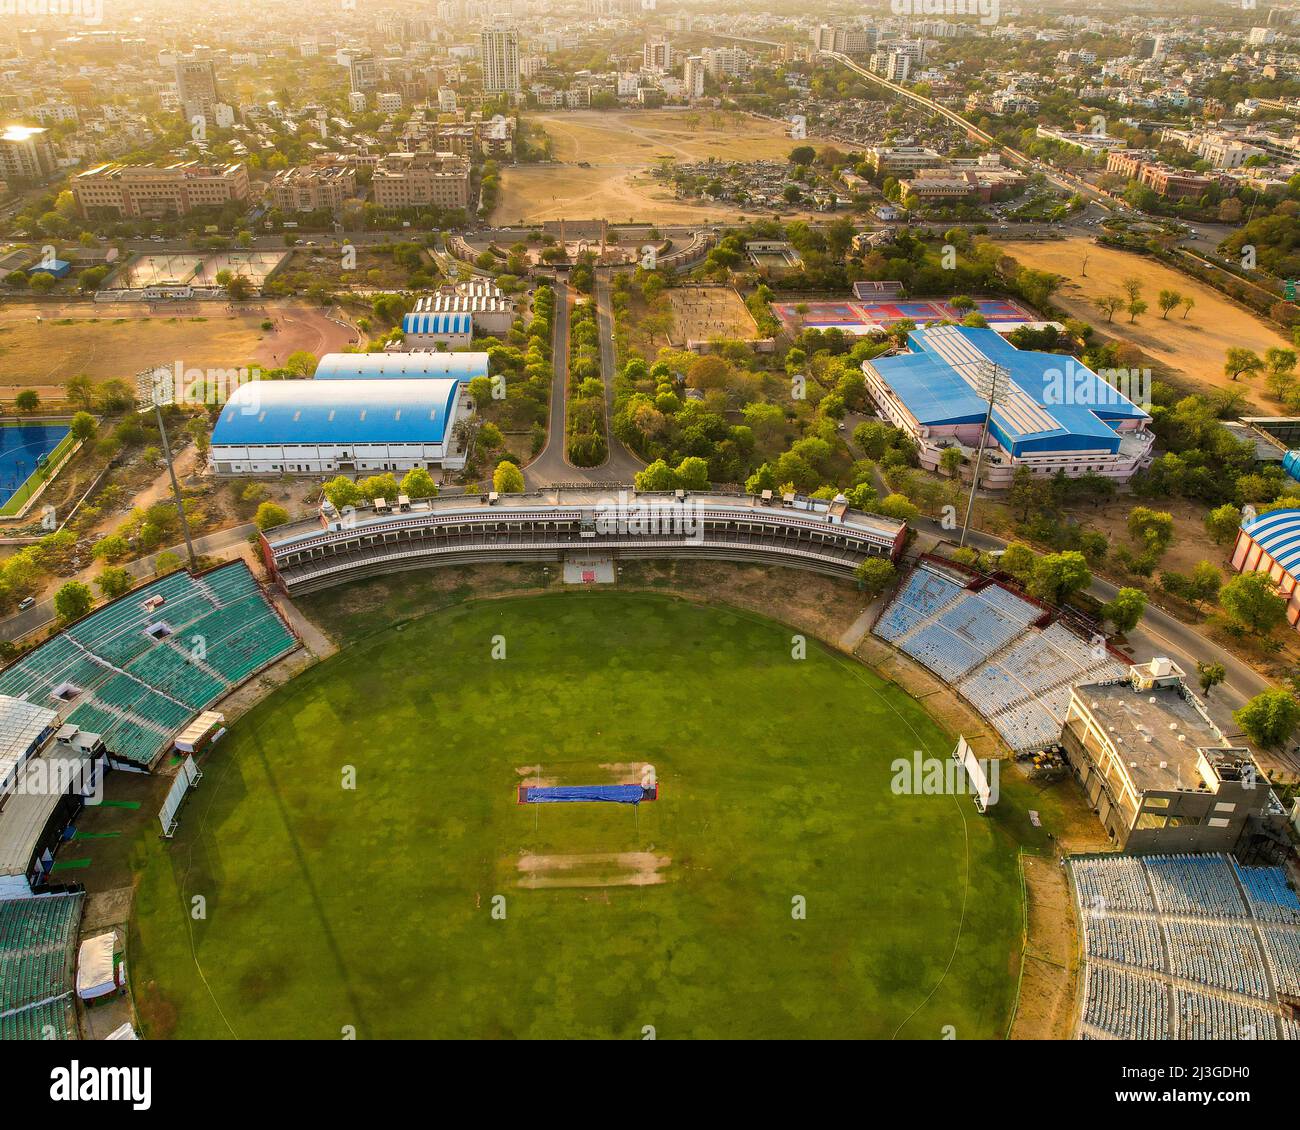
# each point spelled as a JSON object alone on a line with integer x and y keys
{"x": 154, "y": 388}
{"x": 990, "y": 383}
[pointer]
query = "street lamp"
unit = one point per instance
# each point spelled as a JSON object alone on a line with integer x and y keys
{"x": 991, "y": 385}
{"x": 154, "y": 388}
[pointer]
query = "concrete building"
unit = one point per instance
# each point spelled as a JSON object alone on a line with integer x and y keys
{"x": 143, "y": 190}
{"x": 693, "y": 73}
{"x": 26, "y": 154}
{"x": 436, "y": 331}
{"x": 309, "y": 188}
{"x": 499, "y": 47}
{"x": 1159, "y": 773}
{"x": 196, "y": 87}
{"x": 492, "y": 310}
{"x": 657, "y": 55}
{"x": 889, "y": 160}
{"x": 409, "y": 180}
{"x": 824, "y": 536}
{"x": 726, "y": 62}
{"x": 363, "y": 72}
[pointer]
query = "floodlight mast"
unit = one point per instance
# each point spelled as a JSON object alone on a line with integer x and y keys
{"x": 988, "y": 382}
{"x": 155, "y": 397}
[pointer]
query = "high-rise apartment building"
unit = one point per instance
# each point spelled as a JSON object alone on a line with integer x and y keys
{"x": 499, "y": 47}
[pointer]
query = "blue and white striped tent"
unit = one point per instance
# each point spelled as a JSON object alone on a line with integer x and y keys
{"x": 1278, "y": 535}
{"x": 438, "y": 325}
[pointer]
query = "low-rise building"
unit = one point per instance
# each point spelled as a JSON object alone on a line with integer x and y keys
{"x": 309, "y": 188}
{"x": 1159, "y": 772}
{"x": 408, "y": 180}
{"x": 145, "y": 190}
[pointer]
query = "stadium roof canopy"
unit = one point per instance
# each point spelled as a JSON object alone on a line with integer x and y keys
{"x": 1051, "y": 403}
{"x": 336, "y": 412}
{"x": 439, "y": 324}
{"x": 1278, "y": 534}
{"x": 22, "y": 724}
{"x": 389, "y": 366}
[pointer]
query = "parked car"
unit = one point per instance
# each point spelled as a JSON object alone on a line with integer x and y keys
{"x": 26, "y": 603}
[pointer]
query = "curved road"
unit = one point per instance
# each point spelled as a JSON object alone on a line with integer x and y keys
{"x": 551, "y": 465}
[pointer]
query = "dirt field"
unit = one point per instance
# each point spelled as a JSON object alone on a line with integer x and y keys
{"x": 105, "y": 340}
{"x": 622, "y": 149}
{"x": 701, "y": 313}
{"x": 1194, "y": 346}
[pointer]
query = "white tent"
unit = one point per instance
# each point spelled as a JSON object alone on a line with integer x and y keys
{"x": 125, "y": 1032}
{"x": 95, "y": 972}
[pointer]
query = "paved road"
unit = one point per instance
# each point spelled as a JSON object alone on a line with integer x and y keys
{"x": 550, "y": 466}
{"x": 42, "y": 613}
{"x": 621, "y": 464}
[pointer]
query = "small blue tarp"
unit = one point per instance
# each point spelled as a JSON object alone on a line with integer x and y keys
{"x": 617, "y": 794}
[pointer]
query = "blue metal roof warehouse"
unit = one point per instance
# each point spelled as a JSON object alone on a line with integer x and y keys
{"x": 336, "y": 412}
{"x": 461, "y": 323}
{"x": 375, "y": 366}
{"x": 1052, "y": 402}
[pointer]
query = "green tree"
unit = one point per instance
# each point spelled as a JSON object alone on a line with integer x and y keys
{"x": 898, "y": 506}
{"x": 418, "y": 483}
{"x": 73, "y": 601}
{"x": 658, "y": 476}
{"x": 1222, "y": 523}
{"x": 113, "y": 582}
{"x": 875, "y": 575}
{"x": 1058, "y": 576}
{"x": 1126, "y": 609}
{"x": 507, "y": 478}
{"x": 1240, "y": 360}
{"x": 1019, "y": 560}
{"x": 950, "y": 460}
{"x": 27, "y": 401}
{"x": 342, "y": 492}
{"x": 166, "y": 562}
{"x": 269, "y": 515}
{"x": 83, "y": 425}
{"x": 1210, "y": 675}
{"x": 1269, "y": 719}
{"x": 1153, "y": 528}
{"x": 1252, "y": 602}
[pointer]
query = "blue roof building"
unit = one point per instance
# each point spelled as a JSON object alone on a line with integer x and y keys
{"x": 336, "y": 425}
{"x": 1050, "y": 412}
{"x": 446, "y": 327}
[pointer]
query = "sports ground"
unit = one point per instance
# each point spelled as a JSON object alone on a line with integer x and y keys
{"x": 372, "y": 907}
{"x": 864, "y": 317}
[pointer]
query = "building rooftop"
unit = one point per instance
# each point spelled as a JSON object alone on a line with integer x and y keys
{"x": 1157, "y": 731}
{"x": 391, "y": 366}
{"x": 1051, "y": 402}
{"x": 594, "y": 498}
{"x": 337, "y": 411}
{"x": 21, "y": 725}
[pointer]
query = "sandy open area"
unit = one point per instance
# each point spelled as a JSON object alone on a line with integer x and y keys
{"x": 622, "y": 149}
{"x": 1193, "y": 347}
{"x": 105, "y": 340}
